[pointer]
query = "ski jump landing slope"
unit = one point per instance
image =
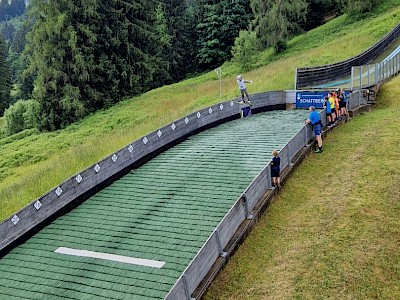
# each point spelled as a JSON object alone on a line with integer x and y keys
{"x": 133, "y": 239}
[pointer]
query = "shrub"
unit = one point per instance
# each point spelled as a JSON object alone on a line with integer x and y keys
{"x": 20, "y": 116}
{"x": 280, "y": 46}
{"x": 245, "y": 48}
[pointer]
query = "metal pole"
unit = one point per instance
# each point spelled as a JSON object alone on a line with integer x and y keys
{"x": 384, "y": 71}
{"x": 352, "y": 78}
{"x": 393, "y": 66}
{"x": 380, "y": 72}
{"x": 369, "y": 75}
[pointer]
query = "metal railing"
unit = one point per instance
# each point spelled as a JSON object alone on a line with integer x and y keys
{"x": 214, "y": 247}
{"x": 366, "y": 76}
{"x": 308, "y": 77}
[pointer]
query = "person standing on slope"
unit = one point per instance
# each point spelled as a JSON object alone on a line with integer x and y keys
{"x": 242, "y": 87}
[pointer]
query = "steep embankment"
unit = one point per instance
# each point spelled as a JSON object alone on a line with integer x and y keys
{"x": 32, "y": 163}
{"x": 334, "y": 231}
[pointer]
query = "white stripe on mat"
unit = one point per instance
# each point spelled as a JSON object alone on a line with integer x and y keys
{"x": 112, "y": 257}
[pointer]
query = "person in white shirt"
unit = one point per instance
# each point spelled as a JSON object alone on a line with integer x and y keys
{"x": 242, "y": 87}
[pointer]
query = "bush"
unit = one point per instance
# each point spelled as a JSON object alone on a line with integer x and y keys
{"x": 280, "y": 46}
{"x": 359, "y": 6}
{"x": 245, "y": 48}
{"x": 20, "y": 116}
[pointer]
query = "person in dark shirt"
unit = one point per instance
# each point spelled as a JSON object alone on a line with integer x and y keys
{"x": 276, "y": 169}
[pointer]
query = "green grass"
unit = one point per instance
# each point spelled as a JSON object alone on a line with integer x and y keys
{"x": 32, "y": 163}
{"x": 334, "y": 230}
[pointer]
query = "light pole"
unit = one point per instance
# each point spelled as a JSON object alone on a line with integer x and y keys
{"x": 219, "y": 74}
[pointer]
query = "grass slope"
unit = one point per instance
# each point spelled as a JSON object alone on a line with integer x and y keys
{"x": 334, "y": 230}
{"x": 32, "y": 163}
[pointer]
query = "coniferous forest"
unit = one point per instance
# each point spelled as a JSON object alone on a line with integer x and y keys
{"x": 62, "y": 60}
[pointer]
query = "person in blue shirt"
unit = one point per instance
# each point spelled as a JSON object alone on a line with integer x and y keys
{"x": 328, "y": 110}
{"x": 315, "y": 120}
{"x": 276, "y": 169}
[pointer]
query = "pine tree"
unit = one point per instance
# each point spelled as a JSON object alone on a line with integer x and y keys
{"x": 276, "y": 20}
{"x": 358, "y": 6}
{"x": 317, "y": 10}
{"x": 219, "y": 25}
{"x": 129, "y": 48}
{"x": 235, "y": 17}
{"x": 61, "y": 44}
{"x": 3, "y": 10}
{"x": 8, "y": 31}
{"x": 181, "y": 28}
{"x": 5, "y": 78}
{"x": 11, "y": 9}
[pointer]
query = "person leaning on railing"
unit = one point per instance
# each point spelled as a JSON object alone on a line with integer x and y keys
{"x": 315, "y": 120}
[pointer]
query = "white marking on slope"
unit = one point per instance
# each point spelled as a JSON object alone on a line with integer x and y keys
{"x": 112, "y": 257}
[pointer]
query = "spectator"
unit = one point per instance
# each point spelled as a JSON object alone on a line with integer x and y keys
{"x": 343, "y": 104}
{"x": 328, "y": 110}
{"x": 276, "y": 169}
{"x": 332, "y": 103}
{"x": 315, "y": 120}
{"x": 337, "y": 111}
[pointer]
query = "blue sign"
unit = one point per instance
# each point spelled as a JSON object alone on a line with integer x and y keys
{"x": 307, "y": 99}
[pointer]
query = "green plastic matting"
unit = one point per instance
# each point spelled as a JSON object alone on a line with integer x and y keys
{"x": 163, "y": 211}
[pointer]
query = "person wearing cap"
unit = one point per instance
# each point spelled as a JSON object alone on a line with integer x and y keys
{"x": 242, "y": 87}
{"x": 315, "y": 120}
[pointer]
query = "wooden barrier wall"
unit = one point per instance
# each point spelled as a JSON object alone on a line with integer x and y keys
{"x": 86, "y": 183}
{"x": 307, "y": 77}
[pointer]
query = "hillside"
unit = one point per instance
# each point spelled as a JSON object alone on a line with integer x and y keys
{"x": 31, "y": 163}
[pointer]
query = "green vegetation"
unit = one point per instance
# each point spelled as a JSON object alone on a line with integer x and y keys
{"x": 333, "y": 232}
{"x": 32, "y": 163}
{"x": 5, "y": 78}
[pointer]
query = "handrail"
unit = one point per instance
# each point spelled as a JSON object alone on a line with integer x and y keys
{"x": 308, "y": 76}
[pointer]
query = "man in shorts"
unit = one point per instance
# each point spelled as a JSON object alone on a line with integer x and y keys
{"x": 315, "y": 120}
{"x": 242, "y": 87}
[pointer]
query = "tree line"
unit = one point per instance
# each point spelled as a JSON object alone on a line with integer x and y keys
{"x": 11, "y": 9}
{"x": 72, "y": 58}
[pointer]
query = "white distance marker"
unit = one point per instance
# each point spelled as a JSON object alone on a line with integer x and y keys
{"x": 112, "y": 257}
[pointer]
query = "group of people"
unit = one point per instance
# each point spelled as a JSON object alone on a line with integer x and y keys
{"x": 335, "y": 106}
{"x": 315, "y": 120}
